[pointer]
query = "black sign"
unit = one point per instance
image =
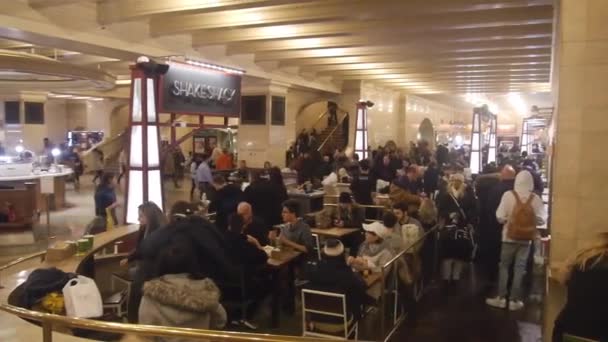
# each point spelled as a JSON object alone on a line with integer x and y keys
{"x": 187, "y": 89}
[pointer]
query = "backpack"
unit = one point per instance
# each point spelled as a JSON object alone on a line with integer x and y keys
{"x": 522, "y": 223}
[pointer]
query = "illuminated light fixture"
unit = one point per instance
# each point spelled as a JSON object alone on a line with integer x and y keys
{"x": 19, "y": 148}
{"x": 361, "y": 141}
{"x": 143, "y": 169}
{"x": 492, "y": 148}
{"x": 475, "y": 163}
{"x": 525, "y": 135}
{"x": 517, "y": 102}
{"x": 215, "y": 67}
{"x": 122, "y": 82}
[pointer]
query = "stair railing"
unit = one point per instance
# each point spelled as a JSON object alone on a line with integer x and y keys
{"x": 319, "y": 118}
{"x": 333, "y": 131}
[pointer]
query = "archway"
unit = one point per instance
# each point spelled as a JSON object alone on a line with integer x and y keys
{"x": 426, "y": 132}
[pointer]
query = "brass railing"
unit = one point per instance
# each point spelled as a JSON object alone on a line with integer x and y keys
{"x": 333, "y": 131}
{"x": 321, "y": 116}
{"x": 51, "y": 321}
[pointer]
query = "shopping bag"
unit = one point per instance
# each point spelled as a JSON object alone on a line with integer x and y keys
{"x": 82, "y": 298}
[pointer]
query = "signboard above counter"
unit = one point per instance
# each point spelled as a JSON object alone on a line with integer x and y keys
{"x": 188, "y": 89}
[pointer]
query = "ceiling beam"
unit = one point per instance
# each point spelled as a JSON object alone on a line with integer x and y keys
{"x": 424, "y": 23}
{"x": 417, "y": 49}
{"x": 435, "y": 72}
{"x": 363, "y": 39}
{"x": 392, "y": 58}
{"x": 431, "y": 77}
{"x": 112, "y": 11}
{"x": 337, "y": 68}
{"x": 326, "y": 10}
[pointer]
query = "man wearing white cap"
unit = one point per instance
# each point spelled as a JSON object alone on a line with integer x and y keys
{"x": 374, "y": 252}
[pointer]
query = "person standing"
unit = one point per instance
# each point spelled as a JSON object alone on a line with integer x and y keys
{"x": 225, "y": 201}
{"x": 194, "y": 164}
{"x": 431, "y": 179}
{"x": 520, "y": 210}
{"x": 105, "y": 197}
{"x": 179, "y": 161}
{"x": 97, "y": 164}
{"x": 224, "y": 161}
{"x": 204, "y": 178}
{"x": 122, "y": 162}
{"x": 490, "y": 230}
{"x": 278, "y": 195}
{"x": 363, "y": 185}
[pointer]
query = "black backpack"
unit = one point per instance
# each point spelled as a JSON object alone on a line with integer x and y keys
{"x": 41, "y": 282}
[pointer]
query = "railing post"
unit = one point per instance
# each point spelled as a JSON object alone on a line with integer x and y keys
{"x": 47, "y": 331}
{"x": 382, "y": 305}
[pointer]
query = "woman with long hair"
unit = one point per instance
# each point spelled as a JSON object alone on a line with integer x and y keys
{"x": 586, "y": 311}
{"x": 151, "y": 218}
{"x": 279, "y": 195}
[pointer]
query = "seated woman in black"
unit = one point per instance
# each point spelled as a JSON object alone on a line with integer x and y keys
{"x": 586, "y": 311}
{"x": 246, "y": 252}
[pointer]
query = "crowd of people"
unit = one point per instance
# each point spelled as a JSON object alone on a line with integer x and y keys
{"x": 490, "y": 220}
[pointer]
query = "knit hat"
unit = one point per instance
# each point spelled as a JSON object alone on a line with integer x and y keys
{"x": 333, "y": 247}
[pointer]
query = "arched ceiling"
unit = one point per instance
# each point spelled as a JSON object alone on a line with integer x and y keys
{"x": 419, "y": 46}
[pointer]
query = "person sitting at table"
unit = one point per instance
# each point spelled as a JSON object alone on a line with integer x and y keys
{"x": 346, "y": 215}
{"x": 295, "y": 233}
{"x": 246, "y": 251}
{"x": 151, "y": 218}
{"x": 373, "y": 253}
{"x": 332, "y": 274}
{"x": 363, "y": 184}
{"x": 180, "y": 295}
{"x": 227, "y": 197}
{"x": 253, "y": 225}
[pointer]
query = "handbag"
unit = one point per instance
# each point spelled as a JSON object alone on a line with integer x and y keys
{"x": 82, "y": 298}
{"x": 463, "y": 236}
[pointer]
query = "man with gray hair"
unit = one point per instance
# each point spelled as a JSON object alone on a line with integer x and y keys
{"x": 254, "y": 225}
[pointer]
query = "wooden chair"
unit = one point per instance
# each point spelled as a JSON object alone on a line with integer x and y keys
{"x": 317, "y": 245}
{"x": 316, "y": 304}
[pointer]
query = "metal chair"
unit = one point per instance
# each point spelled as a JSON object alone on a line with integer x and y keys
{"x": 317, "y": 245}
{"x": 318, "y": 303}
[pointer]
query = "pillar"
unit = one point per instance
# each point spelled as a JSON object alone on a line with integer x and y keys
{"x": 144, "y": 181}
{"x": 475, "y": 163}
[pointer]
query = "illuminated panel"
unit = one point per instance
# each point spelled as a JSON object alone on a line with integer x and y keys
{"x": 136, "y": 195}
{"x": 153, "y": 146}
{"x": 136, "y": 101}
{"x": 492, "y": 149}
{"x": 154, "y": 188}
{"x": 475, "y": 162}
{"x": 136, "y": 155}
{"x": 150, "y": 100}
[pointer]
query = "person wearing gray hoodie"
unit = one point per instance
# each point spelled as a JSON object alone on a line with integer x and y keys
{"x": 179, "y": 296}
{"x": 515, "y": 252}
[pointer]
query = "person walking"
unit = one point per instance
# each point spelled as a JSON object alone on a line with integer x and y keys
{"x": 521, "y": 211}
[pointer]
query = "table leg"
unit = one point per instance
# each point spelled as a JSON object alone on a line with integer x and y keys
{"x": 275, "y": 299}
{"x": 290, "y": 301}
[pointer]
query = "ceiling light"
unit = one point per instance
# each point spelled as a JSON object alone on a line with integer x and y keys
{"x": 215, "y": 67}
{"x": 518, "y": 103}
{"x": 123, "y": 82}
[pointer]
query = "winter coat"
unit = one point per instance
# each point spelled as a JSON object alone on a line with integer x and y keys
{"x": 468, "y": 203}
{"x": 175, "y": 300}
{"x": 333, "y": 275}
{"x": 362, "y": 187}
{"x": 400, "y": 194}
{"x": 225, "y": 202}
{"x": 376, "y": 254}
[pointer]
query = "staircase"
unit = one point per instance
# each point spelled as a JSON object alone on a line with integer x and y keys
{"x": 336, "y": 140}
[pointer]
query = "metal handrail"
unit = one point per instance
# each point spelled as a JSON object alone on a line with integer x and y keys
{"x": 48, "y": 320}
{"x": 20, "y": 260}
{"x": 319, "y": 119}
{"x": 384, "y": 272}
{"x": 333, "y": 131}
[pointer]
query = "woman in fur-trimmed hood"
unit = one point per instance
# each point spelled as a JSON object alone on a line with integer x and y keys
{"x": 180, "y": 297}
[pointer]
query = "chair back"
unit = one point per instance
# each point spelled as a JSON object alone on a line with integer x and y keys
{"x": 328, "y": 304}
{"x": 317, "y": 245}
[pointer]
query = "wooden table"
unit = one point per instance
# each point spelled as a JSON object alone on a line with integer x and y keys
{"x": 278, "y": 262}
{"x": 334, "y": 232}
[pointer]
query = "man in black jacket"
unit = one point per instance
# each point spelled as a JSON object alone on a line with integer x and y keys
{"x": 253, "y": 225}
{"x": 363, "y": 184}
{"x": 227, "y": 197}
{"x": 490, "y": 234}
{"x": 332, "y": 274}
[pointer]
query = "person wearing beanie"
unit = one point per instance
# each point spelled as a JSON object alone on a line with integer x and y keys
{"x": 346, "y": 215}
{"x": 332, "y": 274}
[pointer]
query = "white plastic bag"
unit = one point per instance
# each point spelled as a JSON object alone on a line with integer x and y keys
{"x": 82, "y": 298}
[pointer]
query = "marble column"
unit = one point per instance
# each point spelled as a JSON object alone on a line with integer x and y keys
{"x": 579, "y": 185}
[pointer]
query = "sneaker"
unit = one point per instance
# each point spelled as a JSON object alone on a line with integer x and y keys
{"x": 515, "y": 305}
{"x": 497, "y": 302}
